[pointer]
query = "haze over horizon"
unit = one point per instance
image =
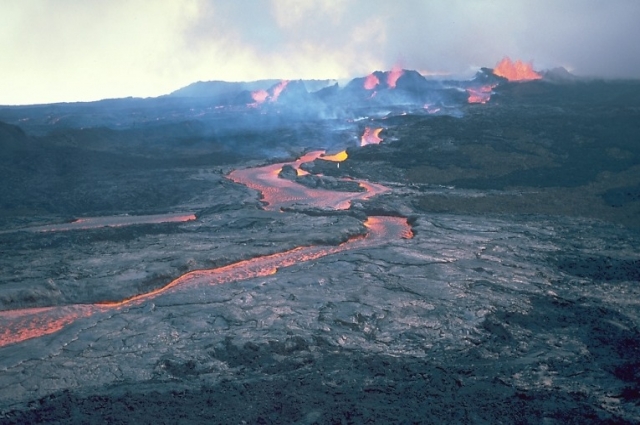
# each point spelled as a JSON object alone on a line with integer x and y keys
{"x": 64, "y": 51}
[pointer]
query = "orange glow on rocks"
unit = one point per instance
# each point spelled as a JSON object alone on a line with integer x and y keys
{"x": 371, "y": 82}
{"x": 515, "y": 71}
{"x": 338, "y": 157}
{"x": 392, "y": 77}
{"x": 371, "y": 136}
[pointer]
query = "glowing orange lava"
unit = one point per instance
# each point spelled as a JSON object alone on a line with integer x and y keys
{"x": 278, "y": 193}
{"x": 259, "y": 96}
{"x": 371, "y": 82}
{"x": 391, "y": 227}
{"x": 21, "y": 325}
{"x": 277, "y": 90}
{"x": 392, "y": 77}
{"x": 338, "y": 157}
{"x": 24, "y": 324}
{"x": 479, "y": 94}
{"x": 371, "y": 136}
{"x": 515, "y": 71}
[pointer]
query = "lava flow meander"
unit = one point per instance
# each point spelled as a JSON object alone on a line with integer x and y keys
{"x": 22, "y": 324}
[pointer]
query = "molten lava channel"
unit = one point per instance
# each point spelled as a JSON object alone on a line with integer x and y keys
{"x": 338, "y": 157}
{"x": 20, "y": 325}
{"x": 278, "y": 193}
{"x": 23, "y": 324}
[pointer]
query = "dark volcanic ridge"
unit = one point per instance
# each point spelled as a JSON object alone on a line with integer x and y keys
{"x": 207, "y": 101}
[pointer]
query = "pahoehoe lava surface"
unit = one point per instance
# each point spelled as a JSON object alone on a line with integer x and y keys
{"x": 514, "y": 298}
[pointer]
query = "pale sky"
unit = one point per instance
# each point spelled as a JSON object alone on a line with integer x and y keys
{"x": 71, "y": 50}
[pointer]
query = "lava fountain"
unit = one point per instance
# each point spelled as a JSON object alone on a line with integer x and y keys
{"x": 371, "y": 82}
{"x": 392, "y": 77}
{"x": 278, "y": 89}
{"x": 515, "y": 71}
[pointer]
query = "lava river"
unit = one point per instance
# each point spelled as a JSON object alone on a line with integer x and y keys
{"x": 278, "y": 193}
{"x": 22, "y": 324}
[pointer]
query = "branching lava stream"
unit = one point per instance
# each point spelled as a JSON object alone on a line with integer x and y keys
{"x": 23, "y": 324}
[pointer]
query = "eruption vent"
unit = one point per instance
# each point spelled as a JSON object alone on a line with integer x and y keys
{"x": 516, "y": 71}
{"x": 371, "y": 136}
{"x": 371, "y": 82}
{"x": 259, "y": 96}
{"x": 278, "y": 89}
{"x": 392, "y": 77}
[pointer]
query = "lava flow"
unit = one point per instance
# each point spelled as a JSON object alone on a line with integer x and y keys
{"x": 479, "y": 94}
{"x": 23, "y": 324}
{"x": 515, "y": 71}
{"x": 110, "y": 221}
{"x": 371, "y": 136}
{"x": 278, "y": 193}
{"x": 338, "y": 157}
